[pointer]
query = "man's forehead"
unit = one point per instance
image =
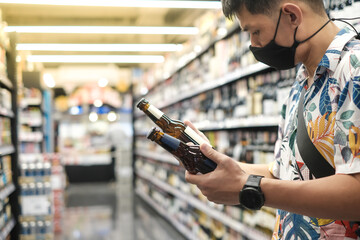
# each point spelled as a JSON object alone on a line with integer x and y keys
{"x": 248, "y": 21}
{"x": 244, "y": 25}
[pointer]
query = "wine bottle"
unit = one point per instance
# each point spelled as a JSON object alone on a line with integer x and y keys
{"x": 190, "y": 156}
{"x": 174, "y": 128}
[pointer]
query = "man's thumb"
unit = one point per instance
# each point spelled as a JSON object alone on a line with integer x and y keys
{"x": 211, "y": 153}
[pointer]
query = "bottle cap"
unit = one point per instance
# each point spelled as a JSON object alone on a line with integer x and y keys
{"x": 141, "y": 102}
{"x": 150, "y": 135}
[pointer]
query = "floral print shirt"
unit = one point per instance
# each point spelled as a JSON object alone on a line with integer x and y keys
{"x": 332, "y": 115}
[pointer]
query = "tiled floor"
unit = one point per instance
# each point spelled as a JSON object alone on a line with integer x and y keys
{"x": 111, "y": 211}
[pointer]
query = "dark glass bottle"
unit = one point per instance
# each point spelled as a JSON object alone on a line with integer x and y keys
{"x": 174, "y": 128}
{"x": 190, "y": 156}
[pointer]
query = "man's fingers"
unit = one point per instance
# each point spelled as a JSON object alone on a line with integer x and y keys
{"x": 192, "y": 178}
{"x": 211, "y": 153}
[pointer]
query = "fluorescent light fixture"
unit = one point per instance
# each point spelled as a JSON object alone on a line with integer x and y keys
{"x": 123, "y": 3}
{"x": 96, "y": 58}
{"x": 49, "y": 80}
{"x": 99, "y": 47}
{"x": 104, "y": 30}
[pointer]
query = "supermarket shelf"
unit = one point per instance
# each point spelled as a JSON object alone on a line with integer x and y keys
{"x": 209, "y": 85}
{"x": 230, "y": 31}
{"x": 30, "y": 157}
{"x": 6, "y": 112}
{"x": 228, "y": 124}
{"x": 4, "y": 81}
{"x": 7, "y": 229}
{"x": 245, "y": 230}
{"x": 6, "y": 150}
{"x": 180, "y": 227}
{"x": 31, "y": 137}
{"x": 249, "y": 122}
{"x": 31, "y": 124}
{"x": 7, "y": 191}
{"x": 26, "y": 102}
{"x": 163, "y": 157}
{"x": 264, "y": 148}
{"x": 181, "y": 66}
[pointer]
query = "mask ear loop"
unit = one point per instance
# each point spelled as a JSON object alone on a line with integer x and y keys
{"x": 315, "y": 32}
{"x": 277, "y": 25}
{"x": 344, "y": 20}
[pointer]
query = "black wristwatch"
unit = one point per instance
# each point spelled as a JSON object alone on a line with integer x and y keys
{"x": 251, "y": 195}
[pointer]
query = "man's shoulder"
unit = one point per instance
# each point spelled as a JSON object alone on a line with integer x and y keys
{"x": 353, "y": 46}
{"x": 350, "y": 58}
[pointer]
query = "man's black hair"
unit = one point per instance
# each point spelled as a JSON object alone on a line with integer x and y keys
{"x": 266, "y": 7}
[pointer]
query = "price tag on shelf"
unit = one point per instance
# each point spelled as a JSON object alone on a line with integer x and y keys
{"x": 35, "y": 205}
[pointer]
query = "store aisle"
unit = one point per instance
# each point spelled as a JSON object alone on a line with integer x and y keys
{"x": 111, "y": 211}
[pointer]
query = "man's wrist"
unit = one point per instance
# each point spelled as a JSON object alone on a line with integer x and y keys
{"x": 251, "y": 195}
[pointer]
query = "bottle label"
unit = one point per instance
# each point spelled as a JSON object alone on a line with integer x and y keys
{"x": 170, "y": 143}
{"x": 156, "y": 112}
{"x": 192, "y": 134}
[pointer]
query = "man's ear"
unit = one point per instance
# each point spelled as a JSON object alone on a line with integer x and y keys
{"x": 293, "y": 12}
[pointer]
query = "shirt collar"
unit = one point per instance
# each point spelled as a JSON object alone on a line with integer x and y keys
{"x": 332, "y": 55}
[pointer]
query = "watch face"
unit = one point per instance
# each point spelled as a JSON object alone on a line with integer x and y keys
{"x": 251, "y": 198}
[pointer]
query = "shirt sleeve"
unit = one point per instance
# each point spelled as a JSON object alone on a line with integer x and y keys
{"x": 274, "y": 166}
{"x": 347, "y": 127}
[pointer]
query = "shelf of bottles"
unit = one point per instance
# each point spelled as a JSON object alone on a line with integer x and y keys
{"x": 36, "y": 197}
{"x": 236, "y": 102}
{"x": 153, "y": 178}
{"x": 31, "y": 122}
{"x": 7, "y": 148}
{"x": 58, "y": 182}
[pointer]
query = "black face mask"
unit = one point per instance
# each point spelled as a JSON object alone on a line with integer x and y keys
{"x": 278, "y": 56}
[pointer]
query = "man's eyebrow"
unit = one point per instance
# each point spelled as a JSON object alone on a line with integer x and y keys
{"x": 245, "y": 28}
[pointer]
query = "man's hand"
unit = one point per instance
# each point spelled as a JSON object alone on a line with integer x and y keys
{"x": 224, "y": 184}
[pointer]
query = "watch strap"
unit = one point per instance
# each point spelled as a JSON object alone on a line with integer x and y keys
{"x": 253, "y": 181}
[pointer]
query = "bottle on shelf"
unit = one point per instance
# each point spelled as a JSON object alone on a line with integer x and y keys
{"x": 190, "y": 156}
{"x": 174, "y": 128}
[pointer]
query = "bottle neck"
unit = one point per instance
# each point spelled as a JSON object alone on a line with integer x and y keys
{"x": 169, "y": 143}
{"x": 154, "y": 113}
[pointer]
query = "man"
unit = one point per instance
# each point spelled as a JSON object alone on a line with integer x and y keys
{"x": 283, "y": 34}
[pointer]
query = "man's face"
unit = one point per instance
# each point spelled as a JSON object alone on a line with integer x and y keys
{"x": 262, "y": 28}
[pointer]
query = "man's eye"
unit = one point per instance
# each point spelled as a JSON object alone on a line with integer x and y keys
{"x": 256, "y": 32}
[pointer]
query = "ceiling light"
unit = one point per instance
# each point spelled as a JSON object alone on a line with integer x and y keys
{"x": 99, "y": 47}
{"x": 123, "y": 3}
{"x": 96, "y": 58}
{"x": 104, "y": 30}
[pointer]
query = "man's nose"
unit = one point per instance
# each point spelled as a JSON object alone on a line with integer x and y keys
{"x": 254, "y": 43}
